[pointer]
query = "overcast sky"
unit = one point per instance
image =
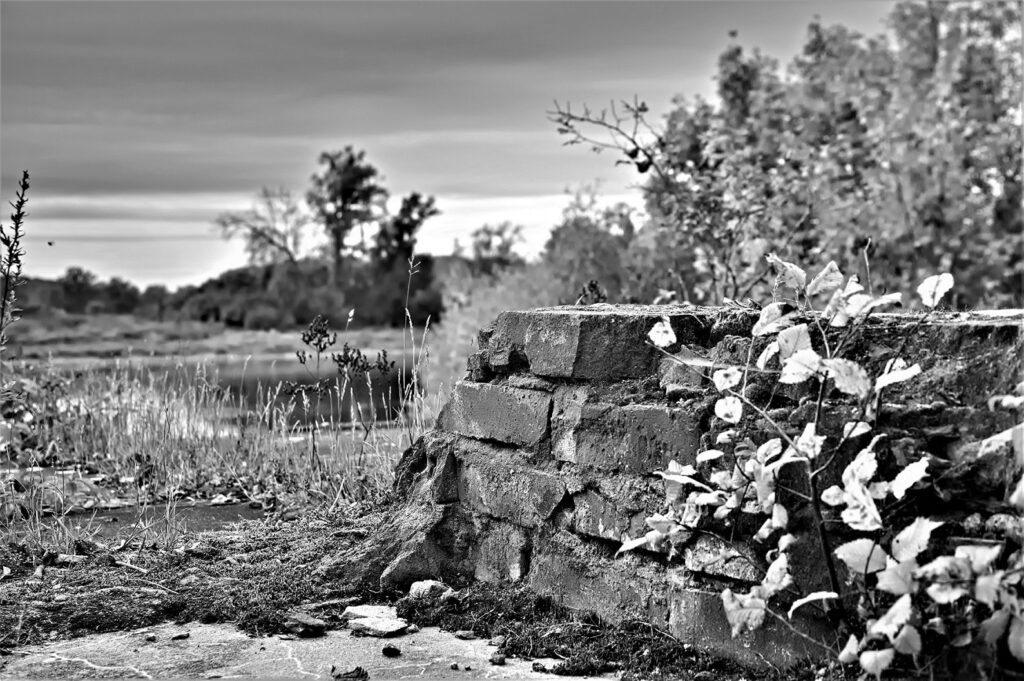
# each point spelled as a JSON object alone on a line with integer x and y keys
{"x": 140, "y": 121}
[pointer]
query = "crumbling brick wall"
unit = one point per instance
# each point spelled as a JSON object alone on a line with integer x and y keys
{"x": 543, "y": 459}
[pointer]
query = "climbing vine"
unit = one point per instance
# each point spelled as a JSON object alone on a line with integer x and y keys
{"x": 899, "y": 594}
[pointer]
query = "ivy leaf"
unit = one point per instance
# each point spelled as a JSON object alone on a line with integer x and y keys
{"x": 895, "y": 617}
{"x": 661, "y": 523}
{"x": 809, "y": 443}
{"x": 908, "y": 641}
{"x": 913, "y": 539}
{"x": 860, "y": 513}
{"x": 834, "y": 496}
{"x": 710, "y": 455}
{"x": 777, "y": 578}
{"x": 1015, "y": 639}
{"x": 780, "y": 517}
{"x": 848, "y": 655}
{"x": 980, "y": 557}
{"x": 875, "y": 662}
{"x": 793, "y": 340}
{"x": 727, "y": 378}
{"x": 650, "y": 540}
{"x": 909, "y": 476}
{"x": 898, "y": 579}
{"x": 828, "y": 279}
{"x": 681, "y": 480}
{"x": 811, "y": 598}
{"x": 993, "y": 628}
{"x": 934, "y": 288}
{"x": 863, "y": 466}
{"x": 986, "y": 589}
{"x": 745, "y": 612}
{"x": 896, "y": 371}
{"x": 662, "y": 334}
{"x": 766, "y": 355}
{"x": 862, "y": 556}
{"x": 726, "y": 437}
{"x": 729, "y": 409}
{"x": 850, "y": 377}
{"x": 787, "y": 274}
{"x": 1017, "y": 498}
{"x": 800, "y": 366}
{"x": 773, "y": 318}
{"x": 945, "y": 593}
{"x": 852, "y": 429}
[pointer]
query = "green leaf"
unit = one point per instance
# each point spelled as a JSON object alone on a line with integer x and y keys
{"x": 993, "y": 628}
{"x": 980, "y": 557}
{"x": 945, "y": 593}
{"x": 834, "y": 496}
{"x": 793, "y": 340}
{"x": 745, "y": 612}
{"x": 934, "y": 288}
{"x": 800, "y": 366}
{"x": 850, "y": 377}
{"x": 875, "y": 662}
{"x": 729, "y": 409}
{"x": 895, "y": 617}
{"x": 852, "y": 429}
{"x": 860, "y": 513}
{"x": 898, "y": 579}
{"x": 896, "y": 371}
{"x": 710, "y": 455}
{"x": 770, "y": 351}
{"x": 662, "y": 334}
{"x": 777, "y": 577}
{"x": 811, "y": 598}
{"x": 788, "y": 274}
{"x": 909, "y": 476}
{"x": 862, "y": 556}
{"x": 848, "y": 655}
{"x": 1017, "y": 498}
{"x": 774, "y": 318}
{"x": 809, "y": 443}
{"x": 727, "y": 378}
{"x": 908, "y": 641}
{"x": 986, "y": 589}
{"x": 914, "y": 538}
{"x": 1015, "y": 639}
{"x": 828, "y": 279}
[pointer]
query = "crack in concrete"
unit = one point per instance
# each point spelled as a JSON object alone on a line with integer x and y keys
{"x": 298, "y": 663}
{"x": 54, "y": 657}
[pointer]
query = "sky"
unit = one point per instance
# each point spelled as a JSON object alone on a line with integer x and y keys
{"x": 142, "y": 120}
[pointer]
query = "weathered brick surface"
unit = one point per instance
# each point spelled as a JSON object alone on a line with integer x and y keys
{"x": 596, "y": 342}
{"x": 636, "y": 438}
{"x": 495, "y": 412}
{"x": 697, "y": 617}
{"x": 540, "y": 473}
{"x": 583, "y": 578}
{"x": 499, "y": 484}
{"x": 503, "y": 552}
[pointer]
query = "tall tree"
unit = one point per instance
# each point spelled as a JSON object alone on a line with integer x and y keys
{"x": 396, "y": 238}
{"x": 345, "y": 195}
{"x": 273, "y": 229}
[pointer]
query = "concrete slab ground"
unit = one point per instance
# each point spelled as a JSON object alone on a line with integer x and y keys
{"x": 221, "y": 651}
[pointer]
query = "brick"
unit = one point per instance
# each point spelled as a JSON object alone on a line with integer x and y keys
{"x": 636, "y": 438}
{"x": 498, "y": 484}
{"x": 697, "y": 617}
{"x": 596, "y": 342}
{"x": 616, "y": 505}
{"x": 583, "y": 578}
{"x": 710, "y": 555}
{"x": 503, "y": 553}
{"x": 494, "y": 412}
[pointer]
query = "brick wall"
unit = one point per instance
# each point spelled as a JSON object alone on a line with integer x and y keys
{"x": 544, "y": 456}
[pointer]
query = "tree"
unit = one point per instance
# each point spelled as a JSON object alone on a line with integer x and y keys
{"x": 396, "y": 238}
{"x": 79, "y": 287}
{"x": 345, "y": 195}
{"x": 589, "y": 244}
{"x": 273, "y": 229}
{"x": 905, "y": 146}
{"x": 154, "y": 301}
{"x": 494, "y": 246}
{"x": 122, "y": 296}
